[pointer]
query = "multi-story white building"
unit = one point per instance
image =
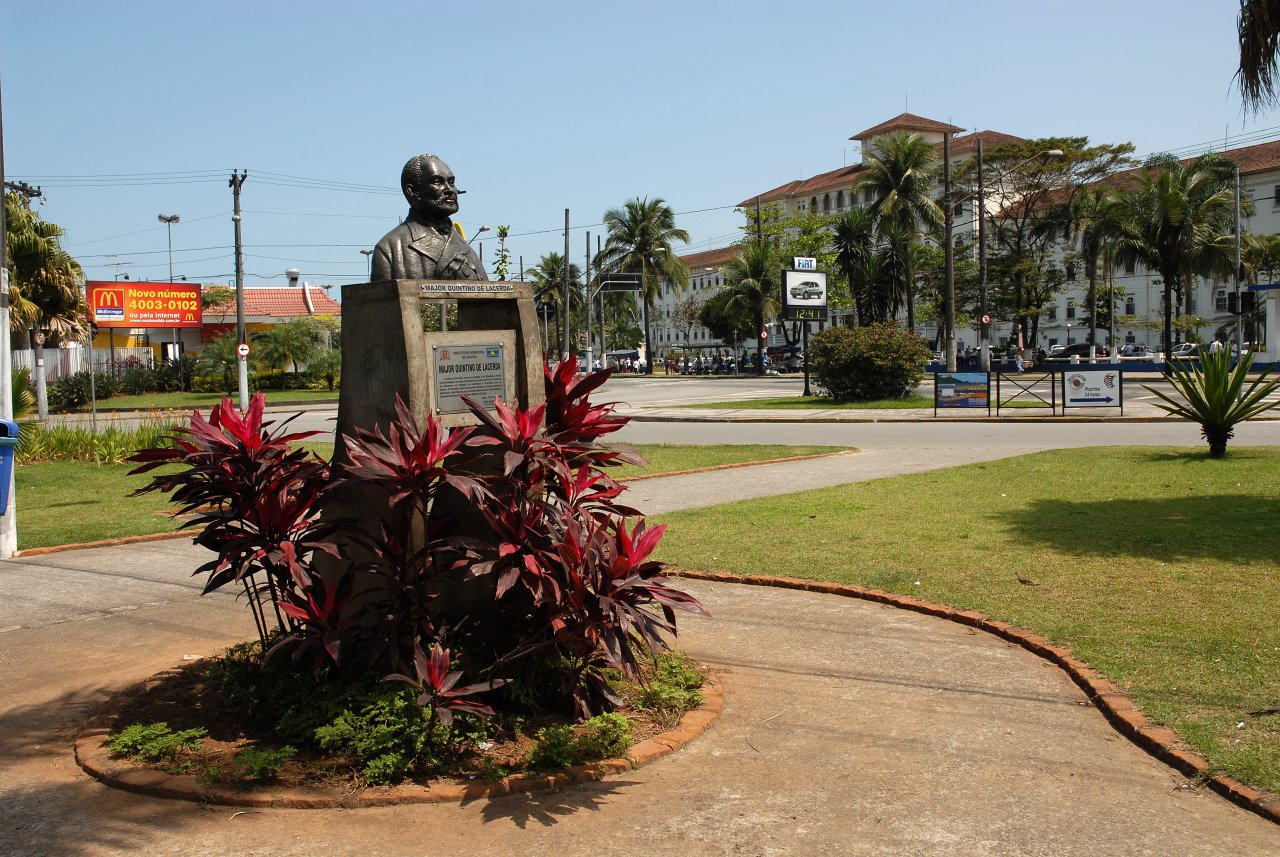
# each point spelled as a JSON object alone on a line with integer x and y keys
{"x": 1064, "y": 320}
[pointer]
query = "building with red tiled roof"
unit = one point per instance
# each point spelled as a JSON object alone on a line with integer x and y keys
{"x": 908, "y": 122}
{"x": 268, "y": 305}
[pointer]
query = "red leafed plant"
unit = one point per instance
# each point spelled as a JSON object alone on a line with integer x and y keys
{"x": 552, "y": 580}
{"x": 254, "y": 498}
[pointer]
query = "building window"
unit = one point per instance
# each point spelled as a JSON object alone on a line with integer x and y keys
{"x": 1129, "y": 337}
{"x": 1275, "y": 196}
{"x": 1220, "y": 301}
{"x": 1071, "y": 309}
{"x": 1052, "y": 313}
{"x": 813, "y": 203}
{"x": 868, "y": 195}
{"x": 840, "y": 199}
{"x": 1130, "y": 268}
{"x": 826, "y": 203}
{"x": 1194, "y": 303}
{"x": 1129, "y": 308}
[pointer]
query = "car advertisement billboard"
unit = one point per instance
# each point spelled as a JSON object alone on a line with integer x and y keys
{"x": 113, "y": 304}
{"x": 804, "y": 295}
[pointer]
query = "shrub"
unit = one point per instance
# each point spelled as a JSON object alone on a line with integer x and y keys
{"x": 673, "y": 687}
{"x": 553, "y": 747}
{"x": 154, "y": 742}
{"x": 551, "y": 587}
{"x": 260, "y": 765}
{"x": 1213, "y": 394}
{"x": 861, "y": 364}
{"x": 605, "y": 736}
{"x": 72, "y": 391}
{"x": 137, "y": 380}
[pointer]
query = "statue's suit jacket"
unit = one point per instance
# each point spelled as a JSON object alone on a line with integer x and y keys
{"x": 415, "y": 250}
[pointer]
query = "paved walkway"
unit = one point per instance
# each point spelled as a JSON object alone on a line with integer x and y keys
{"x": 849, "y": 728}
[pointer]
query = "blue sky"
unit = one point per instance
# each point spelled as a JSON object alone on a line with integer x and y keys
{"x": 540, "y": 107}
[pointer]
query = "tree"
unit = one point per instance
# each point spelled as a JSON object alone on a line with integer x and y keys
{"x": 726, "y": 321}
{"x": 1259, "y": 29}
{"x": 219, "y": 356}
{"x": 548, "y": 287}
{"x": 1174, "y": 220}
{"x": 1088, "y": 224}
{"x": 640, "y": 239}
{"x": 901, "y": 171}
{"x": 291, "y": 345}
{"x": 44, "y": 284}
{"x": 853, "y": 239}
{"x": 752, "y": 288}
{"x": 1032, "y": 194}
{"x": 685, "y": 315}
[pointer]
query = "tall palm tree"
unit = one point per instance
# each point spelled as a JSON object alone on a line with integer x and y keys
{"x": 548, "y": 286}
{"x": 1176, "y": 221}
{"x": 901, "y": 171}
{"x": 751, "y": 281}
{"x": 639, "y": 241}
{"x": 291, "y": 345}
{"x": 1088, "y": 222}
{"x": 1259, "y": 30}
{"x": 853, "y": 239}
{"x": 220, "y": 356}
{"x": 44, "y": 285}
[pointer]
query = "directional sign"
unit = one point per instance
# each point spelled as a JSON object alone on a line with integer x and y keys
{"x": 986, "y": 318}
{"x": 621, "y": 282}
{"x": 243, "y": 349}
{"x": 1092, "y": 388}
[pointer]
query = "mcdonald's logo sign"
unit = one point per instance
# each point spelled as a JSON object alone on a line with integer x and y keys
{"x": 108, "y": 305}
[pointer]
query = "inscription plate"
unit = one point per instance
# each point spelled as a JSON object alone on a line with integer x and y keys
{"x": 438, "y": 289}
{"x": 475, "y": 370}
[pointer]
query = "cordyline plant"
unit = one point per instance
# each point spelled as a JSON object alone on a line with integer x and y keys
{"x": 1214, "y": 395}
{"x": 503, "y": 543}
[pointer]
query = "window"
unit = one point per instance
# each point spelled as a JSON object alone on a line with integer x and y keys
{"x": 840, "y": 199}
{"x": 826, "y": 203}
{"x": 813, "y": 203}
{"x": 1220, "y": 301}
{"x": 1194, "y": 302}
{"x": 1071, "y": 309}
{"x": 1129, "y": 308}
{"x": 1130, "y": 268}
{"x": 1129, "y": 337}
{"x": 1051, "y": 313}
{"x": 868, "y": 195}
{"x": 1275, "y": 196}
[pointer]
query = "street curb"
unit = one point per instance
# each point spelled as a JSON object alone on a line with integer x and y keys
{"x": 1159, "y": 741}
{"x": 641, "y": 417}
{"x": 104, "y": 543}
{"x": 95, "y": 760}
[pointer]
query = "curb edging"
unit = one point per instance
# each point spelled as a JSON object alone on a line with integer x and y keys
{"x": 1120, "y": 711}
{"x": 95, "y": 760}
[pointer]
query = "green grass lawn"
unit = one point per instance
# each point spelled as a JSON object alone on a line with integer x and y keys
{"x": 68, "y": 502}
{"x": 186, "y": 401}
{"x": 1158, "y": 566}
{"x": 806, "y": 402}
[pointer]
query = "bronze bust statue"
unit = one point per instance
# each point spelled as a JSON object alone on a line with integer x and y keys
{"x": 426, "y": 246}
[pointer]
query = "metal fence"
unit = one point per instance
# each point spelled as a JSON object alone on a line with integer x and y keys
{"x": 72, "y": 359}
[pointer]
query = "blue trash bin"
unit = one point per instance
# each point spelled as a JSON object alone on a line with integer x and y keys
{"x": 7, "y": 444}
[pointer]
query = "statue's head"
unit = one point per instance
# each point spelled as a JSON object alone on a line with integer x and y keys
{"x": 429, "y": 186}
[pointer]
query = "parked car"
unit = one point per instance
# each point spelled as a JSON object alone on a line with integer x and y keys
{"x": 1075, "y": 349}
{"x": 1185, "y": 351}
{"x": 1138, "y": 350}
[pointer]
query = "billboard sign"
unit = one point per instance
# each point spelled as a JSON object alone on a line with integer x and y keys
{"x": 962, "y": 390}
{"x": 804, "y": 295}
{"x": 141, "y": 305}
{"x": 1092, "y": 388}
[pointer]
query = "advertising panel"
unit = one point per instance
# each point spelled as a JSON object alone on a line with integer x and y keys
{"x": 962, "y": 390}
{"x": 1092, "y": 388}
{"x": 804, "y": 295}
{"x": 113, "y": 304}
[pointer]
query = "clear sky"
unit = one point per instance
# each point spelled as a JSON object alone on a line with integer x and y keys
{"x": 542, "y": 106}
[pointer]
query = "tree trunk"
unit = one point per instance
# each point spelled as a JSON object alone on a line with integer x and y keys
{"x": 1169, "y": 278}
{"x": 1093, "y": 309}
{"x": 760, "y": 344}
{"x": 648, "y": 352}
{"x": 911, "y": 289}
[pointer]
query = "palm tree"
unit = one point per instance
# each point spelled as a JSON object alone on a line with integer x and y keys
{"x": 1259, "y": 29}
{"x": 640, "y": 240}
{"x": 1088, "y": 222}
{"x": 44, "y": 283}
{"x": 901, "y": 170}
{"x": 289, "y": 346}
{"x": 219, "y": 355}
{"x": 548, "y": 287}
{"x": 853, "y": 239}
{"x": 1174, "y": 221}
{"x": 752, "y": 286}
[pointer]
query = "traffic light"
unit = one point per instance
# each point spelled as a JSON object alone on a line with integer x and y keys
{"x": 1233, "y": 307}
{"x": 1248, "y": 302}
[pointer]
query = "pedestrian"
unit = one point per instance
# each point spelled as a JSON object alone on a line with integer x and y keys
{"x": 1215, "y": 347}
{"x": 1017, "y": 362}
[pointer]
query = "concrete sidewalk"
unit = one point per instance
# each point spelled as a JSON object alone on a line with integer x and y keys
{"x": 849, "y": 728}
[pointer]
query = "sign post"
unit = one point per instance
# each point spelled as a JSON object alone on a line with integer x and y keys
{"x": 804, "y": 299}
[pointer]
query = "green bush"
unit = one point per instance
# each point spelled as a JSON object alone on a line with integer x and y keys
{"x": 137, "y": 380}
{"x": 674, "y": 686}
{"x": 72, "y": 391}
{"x": 862, "y": 364}
{"x": 259, "y": 765}
{"x": 553, "y": 747}
{"x": 153, "y": 742}
{"x": 605, "y": 736}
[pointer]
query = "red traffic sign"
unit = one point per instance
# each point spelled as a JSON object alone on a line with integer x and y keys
{"x": 764, "y": 334}
{"x": 986, "y": 318}
{"x": 243, "y": 349}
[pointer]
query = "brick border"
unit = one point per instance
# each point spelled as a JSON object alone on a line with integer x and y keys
{"x": 92, "y": 756}
{"x": 1159, "y": 741}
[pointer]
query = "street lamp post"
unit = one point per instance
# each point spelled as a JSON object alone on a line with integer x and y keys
{"x": 368, "y": 254}
{"x": 168, "y": 220}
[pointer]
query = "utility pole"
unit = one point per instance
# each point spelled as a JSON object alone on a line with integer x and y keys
{"x": 586, "y": 279}
{"x": 564, "y": 306}
{"x": 1239, "y": 274}
{"x": 9, "y": 520}
{"x": 242, "y": 361}
{"x": 28, "y": 192}
{"x": 948, "y": 255}
{"x": 984, "y": 352}
{"x": 759, "y": 231}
